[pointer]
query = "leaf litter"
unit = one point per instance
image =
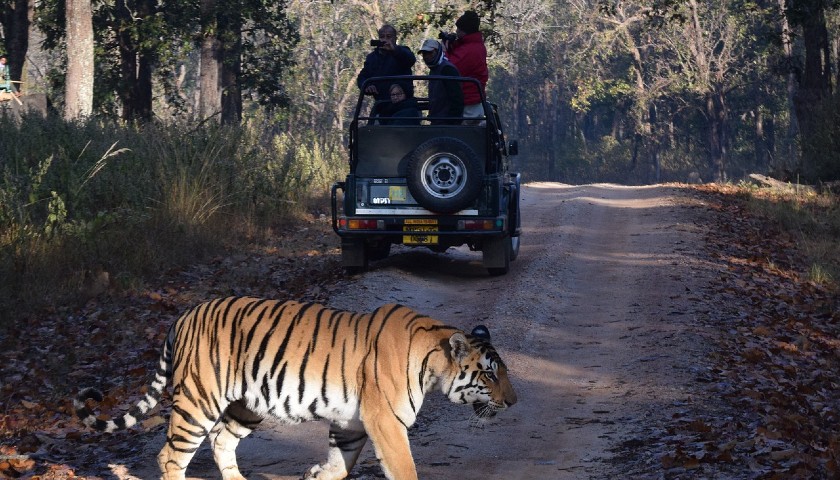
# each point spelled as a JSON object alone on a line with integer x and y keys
{"x": 774, "y": 374}
{"x": 773, "y": 378}
{"x": 112, "y": 342}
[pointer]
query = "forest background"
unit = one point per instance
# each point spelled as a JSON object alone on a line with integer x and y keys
{"x": 175, "y": 127}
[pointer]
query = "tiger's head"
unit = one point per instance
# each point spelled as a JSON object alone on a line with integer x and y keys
{"x": 481, "y": 379}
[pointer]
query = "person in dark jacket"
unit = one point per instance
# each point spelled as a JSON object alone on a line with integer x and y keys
{"x": 469, "y": 55}
{"x": 387, "y": 59}
{"x": 445, "y": 97}
{"x": 402, "y": 110}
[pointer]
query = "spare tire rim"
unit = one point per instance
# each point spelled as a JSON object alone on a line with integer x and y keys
{"x": 444, "y": 175}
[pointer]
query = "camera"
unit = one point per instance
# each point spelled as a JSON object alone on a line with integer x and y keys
{"x": 447, "y": 37}
{"x": 377, "y": 43}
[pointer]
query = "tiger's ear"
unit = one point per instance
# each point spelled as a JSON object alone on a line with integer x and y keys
{"x": 460, "y": 346}
{"x": 481, "y": 331}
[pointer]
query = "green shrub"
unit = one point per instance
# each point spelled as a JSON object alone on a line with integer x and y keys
{"x": 137, "y": 200}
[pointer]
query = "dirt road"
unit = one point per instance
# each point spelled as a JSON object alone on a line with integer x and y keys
{"x": 595, "y": 321}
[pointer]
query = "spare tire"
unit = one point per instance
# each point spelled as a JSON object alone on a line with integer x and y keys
{"x": 444, "y": 175}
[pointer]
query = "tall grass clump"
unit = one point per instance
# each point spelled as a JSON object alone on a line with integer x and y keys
{"x": 96, "y": 196}
{"x": 194, "y": 174}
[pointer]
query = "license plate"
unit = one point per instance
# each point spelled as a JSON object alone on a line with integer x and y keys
{"x": 421, "y": 239}
{"x": 397, "y": 193}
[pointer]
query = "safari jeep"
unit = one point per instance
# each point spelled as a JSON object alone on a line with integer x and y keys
{"x": 421, "y": 183}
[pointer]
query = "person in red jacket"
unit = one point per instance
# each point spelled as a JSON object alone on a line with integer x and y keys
{"x": 469, "y": 54}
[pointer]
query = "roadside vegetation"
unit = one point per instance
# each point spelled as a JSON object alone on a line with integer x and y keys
{"x": 84, "y": 206}
{"x": 810, "y": 219}
{"x": 90, "y": 206}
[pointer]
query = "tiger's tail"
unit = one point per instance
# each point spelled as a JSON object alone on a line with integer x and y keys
{"x": 138, "y": 411}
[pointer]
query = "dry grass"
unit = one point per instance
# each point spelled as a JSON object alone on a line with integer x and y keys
{"x": 134, "y": 202}
{"x": 812, "y": 220}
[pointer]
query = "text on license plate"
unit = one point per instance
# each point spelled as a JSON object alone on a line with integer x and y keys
{"x": 420, "y": 239}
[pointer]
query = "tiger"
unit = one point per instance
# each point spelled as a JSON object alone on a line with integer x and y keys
{"x": 234, "y": 361}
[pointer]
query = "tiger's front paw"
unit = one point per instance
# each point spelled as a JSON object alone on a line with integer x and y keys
{"x": 232, "y": 474}
{"x": 325, "y": 472}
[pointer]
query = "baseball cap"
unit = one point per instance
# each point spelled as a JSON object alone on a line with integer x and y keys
{"x": 429, "y": 45}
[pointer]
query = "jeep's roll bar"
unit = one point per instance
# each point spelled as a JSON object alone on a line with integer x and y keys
{"x": 412, "y": 79}
{"x": 494, "y": 136}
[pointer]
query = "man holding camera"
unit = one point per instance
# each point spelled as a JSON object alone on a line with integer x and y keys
{"x": 387, "y": 58}
{"x": 466, "y": 50}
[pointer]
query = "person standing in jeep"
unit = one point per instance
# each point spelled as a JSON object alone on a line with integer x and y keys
{"x": 446, "y": 100}
{"x": 469, "y": 55}
{"x": 387, "y": 58}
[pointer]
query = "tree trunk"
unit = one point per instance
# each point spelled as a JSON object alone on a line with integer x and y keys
{"x": 815, "y": 84}
{"x": 552, "y": 119}
{"x": 761, "y": 153}
{"x": 653, "y": 140}
{"x": 210, "y": 78}
{"x": 230, "y": 26}
{"x": 146, "y": 61}
{"x": 143, "y": 93}
{"x": 646, "y": 128}
{"x": 78, "y": 90}
{"x": 787, "y": 163}
{"x": 714, "y": 119}
{"x": 135, "y": 63}
{"x": 128, "y": 60}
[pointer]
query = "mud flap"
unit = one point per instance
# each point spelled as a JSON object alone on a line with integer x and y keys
{"x": 353, "y": 253}
{"x": 496, "y": 255}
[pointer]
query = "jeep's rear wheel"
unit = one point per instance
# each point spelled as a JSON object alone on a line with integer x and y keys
{"x": 514, "y": 217}
{"x": 378, "y": 250}
{"x": 354, "y": 270}
{"x": 444, "y": 175}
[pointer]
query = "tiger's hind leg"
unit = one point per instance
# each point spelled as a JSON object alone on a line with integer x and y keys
{"x": 237, "y": 422}
{"x": 345, "y": 446}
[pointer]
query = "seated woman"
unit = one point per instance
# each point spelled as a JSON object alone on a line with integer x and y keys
{"x": 5, "y": 78}
{"x": 402, "y": 110}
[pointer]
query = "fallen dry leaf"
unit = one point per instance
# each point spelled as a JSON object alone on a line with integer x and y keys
{"x": 152, "y": 422}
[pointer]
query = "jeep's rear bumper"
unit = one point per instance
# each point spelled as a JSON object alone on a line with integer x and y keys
{"x": 397, "y": 224}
